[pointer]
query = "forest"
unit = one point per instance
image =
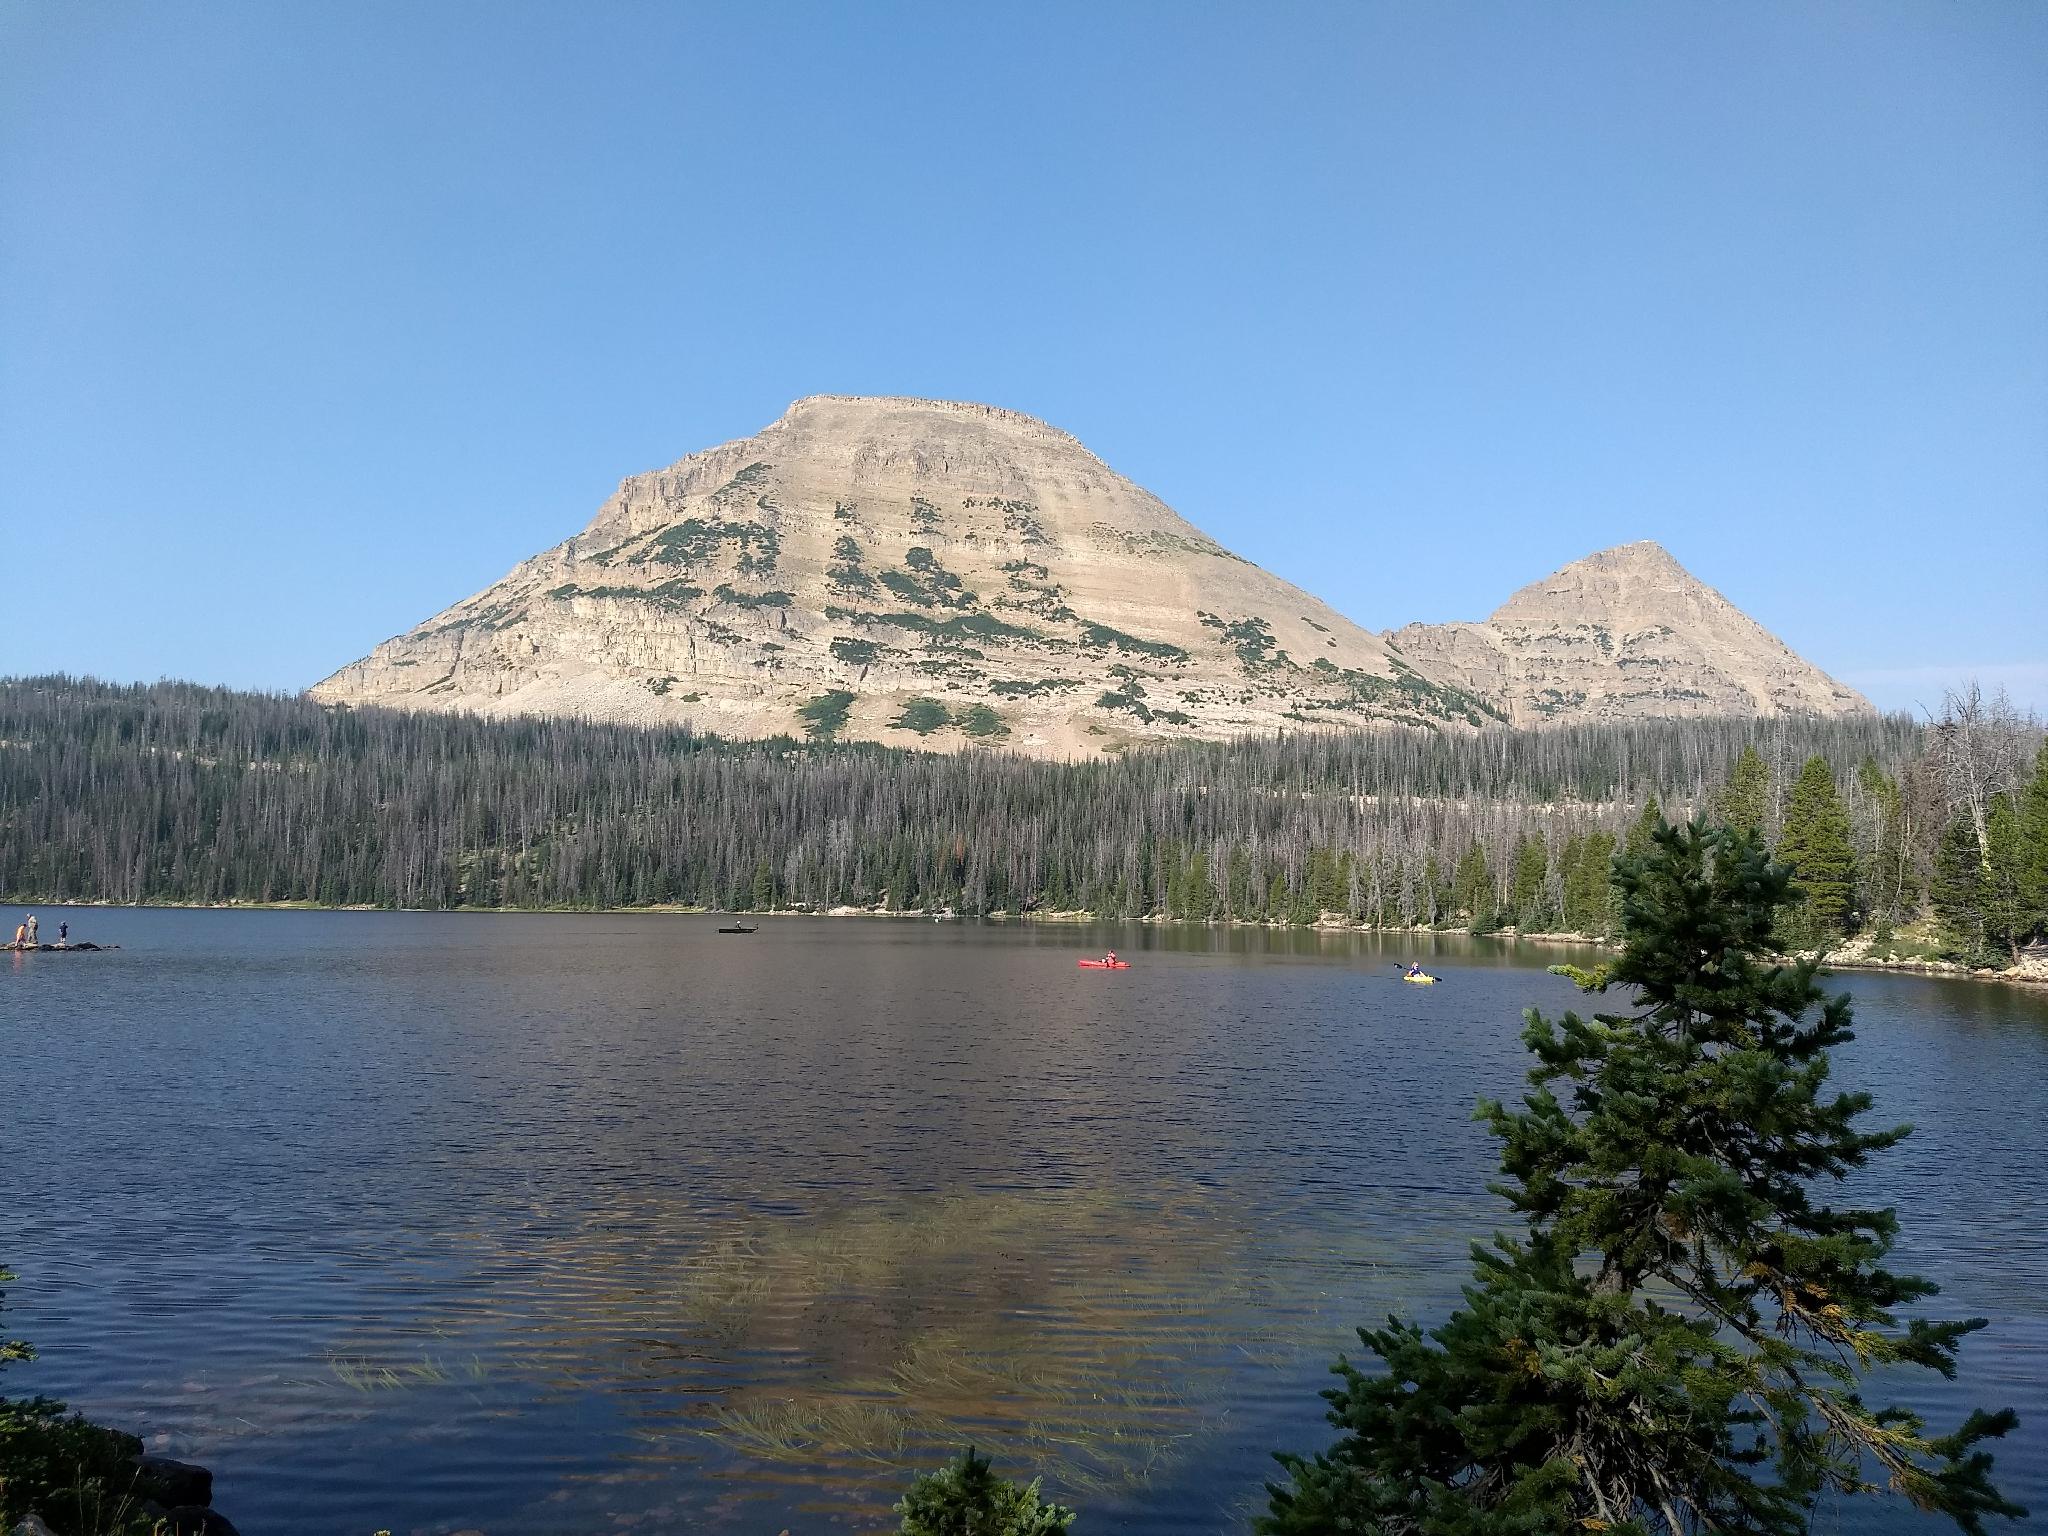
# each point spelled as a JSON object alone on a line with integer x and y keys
{"x": 173, "y": 792}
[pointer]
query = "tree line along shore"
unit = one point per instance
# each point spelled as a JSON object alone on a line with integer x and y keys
{"x": 1919, "y": 843}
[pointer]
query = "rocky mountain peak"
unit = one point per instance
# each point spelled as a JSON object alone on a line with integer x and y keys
{"x": 1623, "y": 632}
{"x": 1626, "y": 577}
{"x": 843, "y": 413}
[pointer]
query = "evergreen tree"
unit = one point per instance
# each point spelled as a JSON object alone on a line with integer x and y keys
{"x": 2008, "y": 916}
{"x": 2034, "y": 843}
{"x": 1200, "y": 890}
{"x": 1304, "y": 909}
{"x": 1587, "y": 909}
{"x": 1667, "y": 1153}
{"x": 1641, "y": 832}
{"x": 1237, "y": 883}
{"x": 1745, "y": 800}
{"x": 1530, "y": 897}
{"x": 966, "y": 1498}
{"x": 1957, "y": 890}
{"x": 1569, "y": 858}
{"x": 1818, "y": 845}
{"x": 1472, "y": 886}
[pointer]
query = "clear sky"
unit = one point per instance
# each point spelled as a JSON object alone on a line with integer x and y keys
{"x": 315, "y": 317}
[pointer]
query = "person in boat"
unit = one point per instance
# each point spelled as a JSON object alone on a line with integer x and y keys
{"x": 1414, "y": 967}
{"x": 1110, "y": 958}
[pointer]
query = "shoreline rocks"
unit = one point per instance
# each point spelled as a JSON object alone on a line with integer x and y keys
{"x": 176, "y": 1496}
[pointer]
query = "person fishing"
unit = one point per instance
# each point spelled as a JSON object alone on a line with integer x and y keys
{"x": 34, "y": 924}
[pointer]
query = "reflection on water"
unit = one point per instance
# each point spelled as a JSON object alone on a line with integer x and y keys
{"x": 545, "y": 1224}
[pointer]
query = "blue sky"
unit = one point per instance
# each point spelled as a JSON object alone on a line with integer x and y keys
{"x": 316, "y": 317}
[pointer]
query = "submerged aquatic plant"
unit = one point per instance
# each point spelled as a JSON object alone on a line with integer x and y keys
{"x": 1101, "y": 1373}
{"x": 360, "y": 1374}
{"x": 796, "y": 1429}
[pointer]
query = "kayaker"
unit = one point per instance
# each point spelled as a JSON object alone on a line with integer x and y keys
{"x": 1415, "y": 968}
{"x": 1110, "y": 958}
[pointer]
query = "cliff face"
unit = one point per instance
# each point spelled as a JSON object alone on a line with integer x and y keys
{"x": 921, "y": 572}
{"x": 1625, "y": 632}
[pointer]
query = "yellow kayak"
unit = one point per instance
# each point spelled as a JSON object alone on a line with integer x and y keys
{"x": 1421, "y": 981}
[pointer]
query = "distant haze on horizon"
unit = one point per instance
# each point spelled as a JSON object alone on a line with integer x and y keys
{"x": 314, "y": 319}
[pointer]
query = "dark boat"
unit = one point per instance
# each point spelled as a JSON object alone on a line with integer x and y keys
{"x": 736, "y": 928}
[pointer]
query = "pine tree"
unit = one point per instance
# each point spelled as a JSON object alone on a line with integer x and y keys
{"x": 1199, "y": 890}
{"x": 1237, "y": 883}
{"x": 2034, "y": 843}
{"x": 1957, "y": 890}
{"x": 2008, "y": 916}
{"x": 1666, "y": 1153}
{"x": 1818, "y": 844}
{"x": 1638, "y": 841}
{"x": 1569, "y": 858}
{"x": 1587, "y": 908}
{"x": 1472, "y": 886}
{"x": 1532, "y": 869}
{"x": 1745, "y": 801}
{"x": 966, "y": 1498}
{"x": 1643, "y": 830}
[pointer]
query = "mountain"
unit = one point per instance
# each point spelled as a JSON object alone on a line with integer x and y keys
{"x": 1625, "y": 632}
{"x": 921, "y": 572}
{"x": 861, "y": 556}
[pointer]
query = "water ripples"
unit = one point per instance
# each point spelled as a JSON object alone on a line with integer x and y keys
{"x": 532, "y": 1225}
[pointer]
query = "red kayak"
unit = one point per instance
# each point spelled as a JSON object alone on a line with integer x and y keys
{"x": 1104, "y": 965}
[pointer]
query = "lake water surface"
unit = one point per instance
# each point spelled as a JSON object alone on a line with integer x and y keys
{"x": 525, "y": 1224}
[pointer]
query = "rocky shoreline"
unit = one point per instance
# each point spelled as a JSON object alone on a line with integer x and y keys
{"x": 175, "y": 1497}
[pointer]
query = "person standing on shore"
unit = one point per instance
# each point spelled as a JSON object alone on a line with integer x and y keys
{"x": 33, "y": 925}
{"x": 64, "y": 933}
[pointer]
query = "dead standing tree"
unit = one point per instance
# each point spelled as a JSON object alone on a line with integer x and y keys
{"x": 1978, "y": 748}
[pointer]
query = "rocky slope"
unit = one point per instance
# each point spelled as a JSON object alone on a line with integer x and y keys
{"x": 920, "y": 572}
{"x": 1625, "y": 632}
{"x": 906, "y": 571}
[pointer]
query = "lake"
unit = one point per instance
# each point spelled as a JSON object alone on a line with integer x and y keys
{"x": 524, "y": 1224}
